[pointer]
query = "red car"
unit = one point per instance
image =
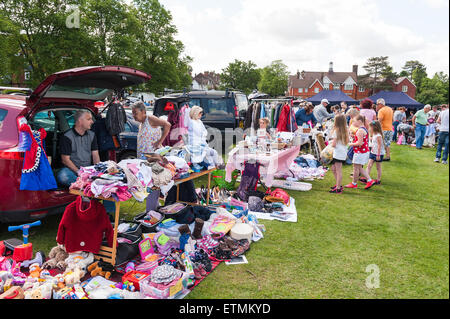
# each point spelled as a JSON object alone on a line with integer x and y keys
{"x": 52, "y": 106}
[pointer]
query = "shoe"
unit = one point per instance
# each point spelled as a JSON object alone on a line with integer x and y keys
{"x": 445, "y": 162}
{"x": 363, "y": 180}
{"x": 337, "y": 190}
{"x": 333, "y": 187}
{"x": 437, "y": 160}
{"x": 377, "y": 182}
{"x": 351, "y": 185}
{"x": 370, "y": 184}
{"x": 386, "y": 159}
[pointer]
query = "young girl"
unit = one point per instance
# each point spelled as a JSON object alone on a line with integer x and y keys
{"x": 378, "y": 151}
{"x": 263, "y": 131}
{"x": 361, "y": 153}
{"x": 340, "y": 140}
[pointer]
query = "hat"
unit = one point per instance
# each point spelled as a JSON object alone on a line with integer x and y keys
{"x": 324, "y": 101}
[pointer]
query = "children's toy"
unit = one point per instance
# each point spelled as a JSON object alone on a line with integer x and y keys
{"x": 22, "y": 250}
{"x": 130, "y": 267}
{"x": 2, "y": 248}
{"x": 79, "y": 260}
{"x": 73, "y": 277}
{"x": 168, "y": 292}
{"x": 13, "y": 293}
{"x": 134, "y": 277}
{"x": 95, "y": 270}
{"x": 146, "y": 249}
{"x": 35, "y": 270}
{"x": 38, "y": 259}
{"x": 57, "y": 256}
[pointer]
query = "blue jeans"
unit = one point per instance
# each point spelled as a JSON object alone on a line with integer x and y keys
{"x": 420, "y": 135}
{"x": 394, "y": 138}
{"x": 443, "y": 142}
{"x": 66, "y": 177}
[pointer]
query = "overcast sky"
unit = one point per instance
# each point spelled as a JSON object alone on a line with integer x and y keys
{"x": 307, "y": 35}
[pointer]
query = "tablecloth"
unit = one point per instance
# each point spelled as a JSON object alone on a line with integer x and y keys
{"x": 271, "y": 163}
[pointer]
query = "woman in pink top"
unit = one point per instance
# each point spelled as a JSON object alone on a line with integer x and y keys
{"x": 367, "y": 111}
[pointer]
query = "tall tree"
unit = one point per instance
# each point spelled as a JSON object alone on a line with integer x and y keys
{"x": 274, "y": 79}
{"x": 411, "y": 66}
{"x": 378, "y": 68}
{"x": 434, "y": 91}
{"x": 240, "y": 75}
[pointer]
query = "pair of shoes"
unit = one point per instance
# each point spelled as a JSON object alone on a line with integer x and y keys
{"x": 336, "y": 190}
{"x": 437, "y": 160}
{"x": 351, "y": 185}
{"x": 370, "y": 184}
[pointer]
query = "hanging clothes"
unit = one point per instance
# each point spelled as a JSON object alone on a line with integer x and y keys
{"x": 248, "y": 117}
{"x": 283, "y": 122}
{"x": 174, "y": 135}
{"x": 36, "y": 171}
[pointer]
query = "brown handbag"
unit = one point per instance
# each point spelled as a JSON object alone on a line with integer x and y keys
{"x": 13, "y": 293}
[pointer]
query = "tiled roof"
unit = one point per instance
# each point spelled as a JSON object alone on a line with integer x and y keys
{"x": 308, "y": 78}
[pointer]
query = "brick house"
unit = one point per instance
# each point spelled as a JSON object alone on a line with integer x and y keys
{"x": 206, "y": 81}
{"x": 307, "y": 84}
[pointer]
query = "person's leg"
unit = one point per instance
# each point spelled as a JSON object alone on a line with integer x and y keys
{"x": 441, "y": 143}
{"x": 446, "y": 147}
{"x": 394, "y": 138}
{"x": 418, "y": 132}
{"x": 356, "y": 168}
{"x": 378, "y": 171}
{"x": 66, "y": 177}
{"x": 333, "y": 170}
{"x": 387, "y": 142}
{"x": 422, "y": 129}
{"x": 338, "y": 169}
{"x": 369, "y": 166}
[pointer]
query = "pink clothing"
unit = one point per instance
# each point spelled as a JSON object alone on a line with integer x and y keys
{"x": 369, "y": 114}
{"x": 270, "y": 164}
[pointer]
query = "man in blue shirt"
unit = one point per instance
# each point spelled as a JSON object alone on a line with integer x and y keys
{"x": 306, "y": 114}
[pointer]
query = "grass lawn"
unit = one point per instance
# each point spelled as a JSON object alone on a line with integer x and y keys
{"x": 401, "y": 226}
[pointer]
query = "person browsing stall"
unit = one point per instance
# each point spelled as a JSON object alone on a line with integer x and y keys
{"x": 386, "y": 118}
{"x": 78, "y": 147}
{"x": 306, "y": 114}
{"x": 320, "y": 112}
{"x": 420, "y": 122}
{"x": 150, "y": 135}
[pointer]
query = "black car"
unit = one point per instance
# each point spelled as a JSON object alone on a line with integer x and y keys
{"x": 221, "y": 109}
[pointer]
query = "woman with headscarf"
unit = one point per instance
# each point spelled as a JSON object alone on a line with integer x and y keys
{"x": 197, "y": 145}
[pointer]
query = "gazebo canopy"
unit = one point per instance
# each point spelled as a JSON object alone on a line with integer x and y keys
{"x": 333, "y": 96}
{"x": 396, "y": 99}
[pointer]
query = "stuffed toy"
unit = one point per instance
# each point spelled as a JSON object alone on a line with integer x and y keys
{"x": 95, "y": 270}
{"x": 73, "y": 277}
{"x": 57, "y": 256}
{"x": 79, "y": 260}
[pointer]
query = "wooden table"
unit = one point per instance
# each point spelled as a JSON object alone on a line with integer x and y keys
{"x": 108, "y": 254}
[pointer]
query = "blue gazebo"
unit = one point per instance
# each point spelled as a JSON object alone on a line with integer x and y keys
{"x": 333, "y": 96}
{"x": 397, "y": 99}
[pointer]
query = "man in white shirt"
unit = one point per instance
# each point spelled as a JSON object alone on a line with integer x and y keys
{"x": 443, "y": 120}
{"x": 320, "y": 112}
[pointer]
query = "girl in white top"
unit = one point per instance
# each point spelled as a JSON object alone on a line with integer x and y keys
{"x": 378, "y": 150}
{"x": 340, "y": 140}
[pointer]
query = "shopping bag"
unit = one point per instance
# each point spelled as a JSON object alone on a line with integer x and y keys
{"x": 400, "y": 140}
{"x": 326, "y": 156}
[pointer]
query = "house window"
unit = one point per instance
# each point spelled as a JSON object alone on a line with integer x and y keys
{"x": 362, "y": 89}
{"x": 326, "y": 86}
{"x": 316, "y": 90}
{"x": 348, "y": 87}
{"x": 336, "y": 86}
{"x": 300, "y": 90}
{"x": 404, "y": 88}
{"x": 306, "y": 90}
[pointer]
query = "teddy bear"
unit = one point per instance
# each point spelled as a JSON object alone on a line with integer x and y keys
{"x": 95, "y": 270}
{"x": 57, "y": 256}
{"x": 74, "y": 276}
{"x": 79, "y": 260}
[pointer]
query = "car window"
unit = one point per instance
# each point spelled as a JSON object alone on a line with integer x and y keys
{"x": 45, "y": 120}
{"x": 241, "y": 101}
{"x": 217, "y": 107}
{"x": 2, "y": 117}
{"x": 193, "y": 102}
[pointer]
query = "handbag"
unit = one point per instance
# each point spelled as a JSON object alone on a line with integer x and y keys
{"x": 326, "y": 156}
{"x": 281, "y": 194}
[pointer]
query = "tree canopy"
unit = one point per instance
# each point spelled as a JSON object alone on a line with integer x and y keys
{"x": 47, "y": 36}
{"x": 274, "y": 79}
{"x": 240, "y": 75}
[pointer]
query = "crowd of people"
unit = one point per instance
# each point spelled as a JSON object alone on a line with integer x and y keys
{"x": 364, "y": 134}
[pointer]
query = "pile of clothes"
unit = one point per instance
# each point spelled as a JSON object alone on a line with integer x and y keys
{"x": 305, "y": 167}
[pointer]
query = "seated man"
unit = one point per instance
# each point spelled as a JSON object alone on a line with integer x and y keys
{"x": 78, "y": 148}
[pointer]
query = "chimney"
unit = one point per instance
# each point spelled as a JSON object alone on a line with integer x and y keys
{"x": 298, "y": 75}
{"x": 331, "y": 68}
{"x": 355, "y": 69}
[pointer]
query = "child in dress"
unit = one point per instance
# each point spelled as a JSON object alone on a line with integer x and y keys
{"x": 361, "y": 153}
{"x": 340, "y": 136}
{"x": 378, "y": 150}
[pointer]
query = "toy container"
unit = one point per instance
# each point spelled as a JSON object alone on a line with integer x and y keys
{"x": 147, "y": 290}
{"x": 135, "y": 277}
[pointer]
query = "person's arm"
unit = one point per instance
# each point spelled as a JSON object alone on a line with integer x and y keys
{"x": 414, "y": 121}
{"x": 68, "y": 163}
{"x": 94, "y": 150}
{"x": 360, "y": 135}
{"x": 154, "y": 121}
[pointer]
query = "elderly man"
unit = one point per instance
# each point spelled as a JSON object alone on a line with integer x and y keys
{"x": 78, "y": 148}
{"x": 320, "y": 112}
{"x": 443, "y": 121}
{"x": 386, "y": 118}
{"x": 420, "y": 122}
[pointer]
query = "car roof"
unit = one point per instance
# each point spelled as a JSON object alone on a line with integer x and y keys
{"x": 211, "y": 93}
{"x": 13, "y": 103}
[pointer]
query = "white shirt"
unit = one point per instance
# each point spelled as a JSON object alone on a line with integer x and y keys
{"x": 444, "y": 121}
{"x": 340, "y": 151}
{"x": 375, "y": 145}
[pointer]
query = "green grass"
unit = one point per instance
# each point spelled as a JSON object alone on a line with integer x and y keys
{"x": 401, "y": 226}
